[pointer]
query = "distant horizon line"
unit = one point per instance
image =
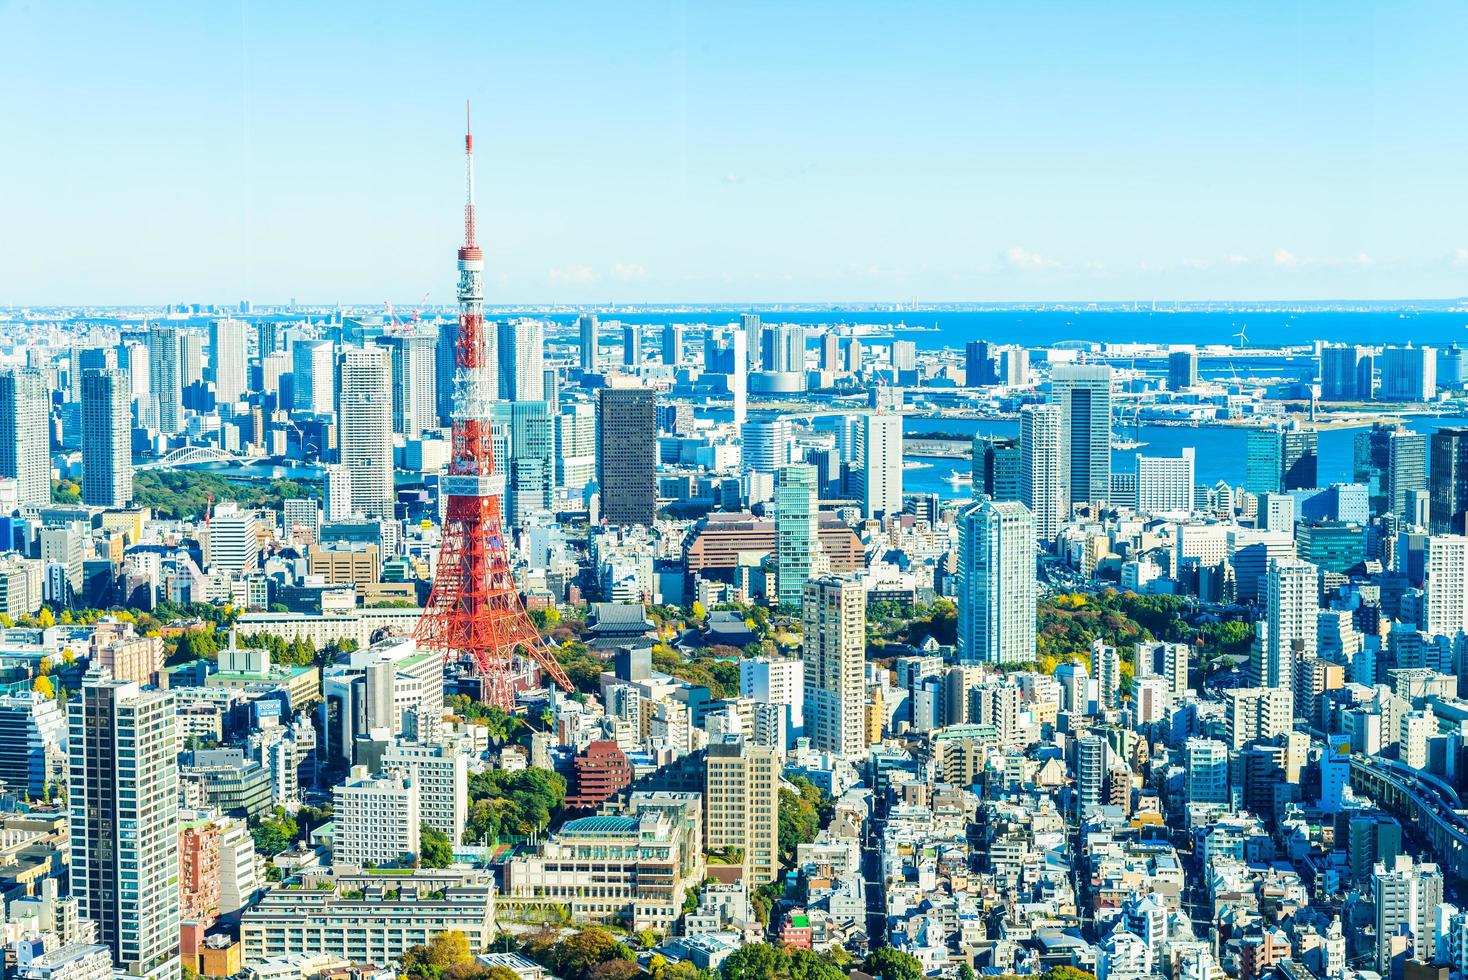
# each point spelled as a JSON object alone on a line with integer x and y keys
{"x": 1423, "y": 304}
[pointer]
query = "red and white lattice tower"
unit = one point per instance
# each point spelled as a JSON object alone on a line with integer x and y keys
{"x": 474, "y": 610}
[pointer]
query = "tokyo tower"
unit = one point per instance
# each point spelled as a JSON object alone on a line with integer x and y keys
{"x": 474, "y": 610}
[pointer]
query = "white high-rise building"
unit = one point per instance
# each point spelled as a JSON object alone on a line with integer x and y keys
{"x": 414, "y": 382}
{"x": 1165, "y": 483}
{"x": 123, "y": 805}
{"x": 1446, "y": 584}
{"x": 338, "y": 493}
{"x": 233, "y": 545}
{"x": 1292, "y": 607}
{"x": 521, "y": 348}
{"x": 766, "y": 444}
{"x": 165, "y": 378}
{"x": 301, "y": 517}
{"x": 441, "y": 774}
{"x": 1042, "y": 469}
{"x": 364, "y": 428}
{"x": 107, "y": 430}
{"x": 25, "y": 434}
{"x": 739, "y": 377}
{"x": 996, "y": 583}
{"x": 576, "y": 446}
{"x": 1406, "y": 895}
{"x": 779, "y": 682}
{"x": 833, "y": 613}
{"x": 881, "y": 465}
{"x": 375, "y": 819}
{"x": 229, "y": 356}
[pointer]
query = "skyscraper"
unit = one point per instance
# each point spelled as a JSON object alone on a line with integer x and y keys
{"x": 996, "y": 583}
{"x": 626, "y": 438}
{"x": 1346, "y": 373}
{"x": 1448, "y": 481}
{"x": 1182, "y": 370}
{"x": 229, "y": 359}
{"x": 1407, "y": 896}
{"x": 1408, "y": 374}
{"x": 1292, "y": 605}
{"x": 123, "y": 798}
{"x": 739, "y": 376}
{"x": 364, "y": 428}
{"x": 1083, "y": 392}
{"x": 1165, "y": 483}
{"x": 796, "y": 540}
{"x": 589, "y": 332}
{"x": 1279, "y": 459}
{"x": 313, "y": 377}
{"x": 107, "y": 461}
{"x": 446, "y": 370}
{"x": 414, "y": 382}
{"x": 997, "y": 463}
{"x": 833, "y": 613}
{"x": 529, "y": 465}
{"x": 765, "y": 444}
{"x": 25, "y": 434}
{"x": 673, "y": 345}
{"x": 576, "y": 447}
{"x": 749, "y": 325}
{"x": 165, "y": 378}
{"x": 1446, "y": 584}
{"x": 190, "y": 358}
{"x": 742, "y": 803}
{"x": 881, "y": 465}
{"x": 521, "y": 356}
{"x": 978, "y": 364}
{"x": 631, "y": 345}
{"x": 1042, "y": 469}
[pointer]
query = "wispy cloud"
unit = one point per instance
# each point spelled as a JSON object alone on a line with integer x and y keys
{"x": 1460, "y": 256}
{"x": 574, "y": 275}
{"x": 1023, "y": 258}
{"x": 1235, "y": 259}
{"x": 628, "y": 271}
{"x": 1285, "y": 259}
{"x": 1362, "y": 259}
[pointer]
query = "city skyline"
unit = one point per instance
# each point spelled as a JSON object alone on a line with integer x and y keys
{"x": 669, "y": 154}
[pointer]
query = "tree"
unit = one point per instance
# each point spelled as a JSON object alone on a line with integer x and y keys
{"x": 574, "y": 957}
{"x": 807, "y": 965}
{"x": 616, "y": 970}
{"x": 273, "y": 834}
{"x": 966, "y": 972}
{"x": 755, "y": 961}
{"x": 894, "y": 964}
{"x": 434, "y": 850}
{"x": 448, "y": 949}
{"x": 45, "y": 618}
{"x": 43, "y": 687}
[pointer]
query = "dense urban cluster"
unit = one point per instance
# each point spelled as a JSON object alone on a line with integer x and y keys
{"x": 1085, "y": 714}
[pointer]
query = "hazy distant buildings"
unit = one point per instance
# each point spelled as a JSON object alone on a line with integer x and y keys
{"x": 996, "y": 583}
{"x": 364, "y": 428}
{"x": 1083, "y": 392}
{"x": 626, "y": 437}
{"x": 107, "y": 465}
{"x": 25, "y": 434}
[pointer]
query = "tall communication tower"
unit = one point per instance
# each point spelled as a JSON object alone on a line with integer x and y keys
{"x": 474, "y": 610}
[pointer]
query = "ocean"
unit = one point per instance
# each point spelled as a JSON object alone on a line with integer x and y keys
{"x": 1219, "y": 451}
{"x": 937, "y": 329}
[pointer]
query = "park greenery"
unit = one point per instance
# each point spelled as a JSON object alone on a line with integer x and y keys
{"x": 184, "y": 493}
{"x": 502, "y": 726}
{"x": 435, "y": 850}
{"x": 448, "y": 957}
{"x": 587, "y": 954}
{"x": 759, "y": 961}
{"x": 512, "y": 804}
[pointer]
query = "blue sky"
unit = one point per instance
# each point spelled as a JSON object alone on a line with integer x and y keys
{"x": 635, "y": 152}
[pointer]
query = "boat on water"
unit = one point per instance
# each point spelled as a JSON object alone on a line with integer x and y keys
{"x": 958, "y": 479}
{"x": 1125, "y": 444}
{"x": 912, "y": 464}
